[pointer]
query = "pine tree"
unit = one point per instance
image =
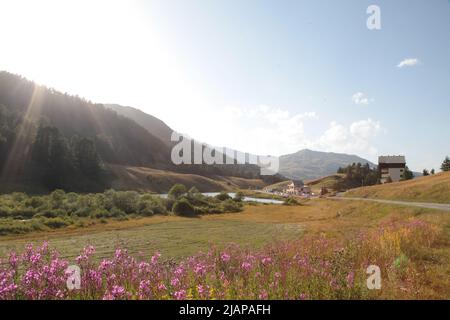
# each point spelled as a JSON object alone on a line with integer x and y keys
{"x": 408, "y": 174}
{"x": 446, "y": 164}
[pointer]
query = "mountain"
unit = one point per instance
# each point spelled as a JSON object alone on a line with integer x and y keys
{"x": 50, "y": 140}
{"x": 161, "y": 130}
{"x": 152, "y": 124}
{"x": 308, "y": 164}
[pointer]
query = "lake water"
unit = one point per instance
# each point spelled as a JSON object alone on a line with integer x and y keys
{"x": 232, "y": 194}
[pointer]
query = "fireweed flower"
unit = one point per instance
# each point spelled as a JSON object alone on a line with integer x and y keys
{"x": 290, "y": 270}
{"x": 175, "y": 282}
{"x": 180, "y": 295}
{"x": 350, "y": 279}
{"x": 266, "y": 261}
{"x": 246, "y": 266}
{"x": 225, "y": 257}
{"x": 263, "y": 295}
{"x": 154, "y": 259}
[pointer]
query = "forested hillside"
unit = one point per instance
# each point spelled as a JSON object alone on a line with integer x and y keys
{"x": 50, "y": 139}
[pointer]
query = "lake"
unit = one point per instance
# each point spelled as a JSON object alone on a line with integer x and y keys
{"x": 232, "y": 194}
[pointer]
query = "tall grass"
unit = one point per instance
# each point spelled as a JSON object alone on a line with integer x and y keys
{"x": 311, "y": 268}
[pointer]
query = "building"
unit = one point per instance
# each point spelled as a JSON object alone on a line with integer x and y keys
{"x": 294, "y": 188}
{"x": 392, "y": 167}
{"x": 297, "y": 188}
{"x": 306, "y": 191}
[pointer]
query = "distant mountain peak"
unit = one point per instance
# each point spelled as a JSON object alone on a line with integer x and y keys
{"x": 308, "y": 164}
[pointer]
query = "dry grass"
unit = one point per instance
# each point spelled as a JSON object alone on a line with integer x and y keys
{"x": 329, "y": 182}
{"x": 424, "y": 189}
{"x": 178, "y": 237}
{"x": 160, "y": 181}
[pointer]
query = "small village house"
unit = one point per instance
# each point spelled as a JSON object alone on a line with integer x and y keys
{"x": 391, "y": 168}
{"x": 297, "y": 188}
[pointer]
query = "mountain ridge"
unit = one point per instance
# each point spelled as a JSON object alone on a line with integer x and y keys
{"x": 308, "y": 164}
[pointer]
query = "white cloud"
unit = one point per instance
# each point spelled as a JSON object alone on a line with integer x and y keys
{"x": 365, "y": 129}
{"x": 261, "y": 129}
{"x": 355, "y": 139}
{"x": 360, "y": 98}
{"x": 276, "y": 131}
{"x": 409, "y": 62}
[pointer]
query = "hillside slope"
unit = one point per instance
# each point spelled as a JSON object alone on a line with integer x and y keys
{"x": 308, "y": 165}
{"x": 332, "y": 183}
{"x": 160, "y": 181}
{"x": 152, "y": 124}
{"x": 50, "y": 139}
{"x": 424, "y": 189}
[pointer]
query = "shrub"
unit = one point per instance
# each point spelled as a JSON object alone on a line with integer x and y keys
{"x": 177, "y": 191}
{"x": 183, "y": 207}
{"x": 56, "y": 223}
{"x": 100, "y": 213}
{"x": 290, "y": 202}
{"x": 51, "y": 213}
{"x": 117, "y": 213}
{"x": 35, "y": 202}
{"x": 231, "y": 206}
{"x": 126, "y": 201}
{"x": 223, "y": 196}
{"x": 239, "y": 196}
{"x": 83, "y": 212}
{"x": 5, "y": 212}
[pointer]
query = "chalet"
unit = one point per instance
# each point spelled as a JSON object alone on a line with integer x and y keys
{"x": 293, "y": 188}
{"x": 297, "y": 188}
{"x": 391, "y": 168}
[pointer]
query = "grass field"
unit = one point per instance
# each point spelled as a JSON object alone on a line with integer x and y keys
{"x": 258, "y": 225}
{"x": 434, "y": 188}
{"x": 177, "y": 237}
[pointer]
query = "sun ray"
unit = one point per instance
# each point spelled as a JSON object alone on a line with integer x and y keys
{"x": 21, "y": 148}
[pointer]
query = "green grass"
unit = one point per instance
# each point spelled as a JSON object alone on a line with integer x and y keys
{"x": 173, "y": 239}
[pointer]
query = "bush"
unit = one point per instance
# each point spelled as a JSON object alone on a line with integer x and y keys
{"x": 35, "y": 202}
{"x": 51, "y": 213}
{"x": 83, "y": 212}
{"x": 223, "y": 196}
{"x": 239, "y": 196}
{"x": 231, "y": 206}
{"x": 100, "y": 213}
{"x": 290, "y": 202}
{"x": 22, "y": 213}
{"x": 183, "y": 207}
{"x": 126, "y": 201}
{"x": 177, "y": 191}
{"x": 117, "y": 213}
{"x": 56, "y": 223}
{"x": 5, "y": 212}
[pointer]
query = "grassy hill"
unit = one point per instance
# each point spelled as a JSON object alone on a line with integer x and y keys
{"x": 331, "y": 182}
{"x": 424, "y": 189}
{"x": 160, "y": 181}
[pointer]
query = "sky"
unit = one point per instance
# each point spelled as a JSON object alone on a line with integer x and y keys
{"x": 266, "y": 77}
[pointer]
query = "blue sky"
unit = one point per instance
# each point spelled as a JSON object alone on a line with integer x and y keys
{"x": 268, "y": 77}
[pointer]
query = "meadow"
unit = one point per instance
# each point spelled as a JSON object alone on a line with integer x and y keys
{"x": 317, "y": 250}
{"x": 434, "y": 188}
